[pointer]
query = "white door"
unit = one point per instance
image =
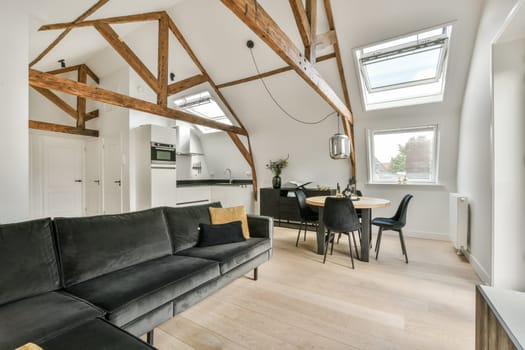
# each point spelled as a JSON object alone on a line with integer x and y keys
{"x": 93, "y": 185}
{"x": 112, "y": 176}
{"x": 62, "y": 185}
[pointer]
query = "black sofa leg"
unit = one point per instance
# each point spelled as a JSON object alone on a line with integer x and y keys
{"x": 149, "y": 337}
{"x": 255, "y": 274}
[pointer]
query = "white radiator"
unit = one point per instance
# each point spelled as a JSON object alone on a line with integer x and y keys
{"x": 458, "y": 224}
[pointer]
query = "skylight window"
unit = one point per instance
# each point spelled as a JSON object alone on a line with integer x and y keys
{"x": 404, "y": 71}
{"x": 203, "y": 105}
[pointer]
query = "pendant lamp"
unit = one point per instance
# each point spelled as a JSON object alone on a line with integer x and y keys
{"x": 339, "y": 145}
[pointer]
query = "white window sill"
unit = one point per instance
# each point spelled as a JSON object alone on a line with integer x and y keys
{"x": 425, "y": 184}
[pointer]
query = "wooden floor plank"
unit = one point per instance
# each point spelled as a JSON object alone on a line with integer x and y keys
{"x": 299, "y": 302}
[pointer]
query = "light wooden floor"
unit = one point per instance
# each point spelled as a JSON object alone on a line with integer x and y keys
{"x": 299, "y": 303}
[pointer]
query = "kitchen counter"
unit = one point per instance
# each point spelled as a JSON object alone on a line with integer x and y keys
{"x": 499, "y": 319}
{"x": 213, "y": 182}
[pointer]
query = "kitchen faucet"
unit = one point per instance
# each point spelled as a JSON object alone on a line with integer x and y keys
{"x": 229, "y": 171}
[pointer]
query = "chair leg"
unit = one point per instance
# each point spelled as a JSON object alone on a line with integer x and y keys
{"x": 355, "y": 244}
{"x": 305, "y": 229}
{"x": 403, "y": 247}
{"x": 327, "y": 242}
{"x": 350, "y": 248}
{"x": 298, "y": 234}
{"x": 378, "y": 241}
{"x": 256, "y": 274}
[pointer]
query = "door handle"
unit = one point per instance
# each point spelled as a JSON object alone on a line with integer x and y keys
{"x": 118, "y": 182}
{"x": 97, "y": 182}
{"x": 78, "y": 180}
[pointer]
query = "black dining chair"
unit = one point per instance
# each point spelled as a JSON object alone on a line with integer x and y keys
{"x": 395, "y": 223}
{"x": 308, "y": 215}
{"x": 359, "y": 213}
{"x": 339, "y": 216}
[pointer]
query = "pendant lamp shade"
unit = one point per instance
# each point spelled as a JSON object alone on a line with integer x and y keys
{"x": 339, "y": 146}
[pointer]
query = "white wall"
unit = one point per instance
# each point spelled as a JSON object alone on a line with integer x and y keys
{"x": 474, "y": 159}
{"x": 509, "y": 165}
{"x": 428, "y": 211}
{"x": 221, "y": 153}
{"x": 14, "y": 142}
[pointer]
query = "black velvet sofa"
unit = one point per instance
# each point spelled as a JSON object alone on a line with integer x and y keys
{"x": 135, "y": 270}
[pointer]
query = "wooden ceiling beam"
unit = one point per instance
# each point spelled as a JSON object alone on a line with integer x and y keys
{"x": 258, "y": 20}
{"x": 347, "y": 122}
{"x": 92, "y": 115}
{"x": 186, "y": 84}
{"x": 33, "y": 124}
{"x": 199, "y": 65}
{"x": 53, "y": 82}
{"x": 247, "y": 154}
{"x": 81, "y": 101}
{"x": 128, "y": 55}
{"x": 142, "y": 17}
{"x": 65, "y": 70}
{"x": 162, "y": 58}
{"x": 57, "y": 101}
{"x": 325, "y": 39}
{"x": 303, "y": 25}
{"x": 91, "y": 74}
{"x": 270, "y": 73}
{"x": 62, "y": 35}
{"x": 311, "y": 14}
{"x": 76, "y": 68}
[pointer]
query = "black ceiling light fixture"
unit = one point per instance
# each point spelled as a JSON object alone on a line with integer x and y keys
{"x": 339, "y": 143}
{"x": 172, "y": 76}
{"x": 62, "y": 63}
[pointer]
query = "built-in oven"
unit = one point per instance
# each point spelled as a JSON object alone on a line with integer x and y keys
{"x": 163, "y": 154}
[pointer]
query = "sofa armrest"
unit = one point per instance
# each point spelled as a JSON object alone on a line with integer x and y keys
{"x": 260, "y": 226}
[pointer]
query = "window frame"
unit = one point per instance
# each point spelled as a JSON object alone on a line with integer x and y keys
{"x": 375, "y": 99}
{"x": 434, "y": 169}
{"x": 188, "y": 107}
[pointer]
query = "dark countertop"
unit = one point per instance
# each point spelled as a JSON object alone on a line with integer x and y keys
{"x": 209, "y": 182}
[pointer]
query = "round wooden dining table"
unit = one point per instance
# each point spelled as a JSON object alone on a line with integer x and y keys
{"x": 366, "y": 204}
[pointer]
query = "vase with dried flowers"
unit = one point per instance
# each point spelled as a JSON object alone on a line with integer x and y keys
{"x": 276, "y": 168}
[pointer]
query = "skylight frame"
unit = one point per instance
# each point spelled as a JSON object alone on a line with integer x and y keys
{"x": 189, "y": 103}
{"x": 411, "y": 92}
{"x": 440, "y": 43}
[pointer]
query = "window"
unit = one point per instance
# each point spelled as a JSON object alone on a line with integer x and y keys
{"x": 403, "y": 155}
{"x": 405, "y": 71}
{"x": 203, "y": 105}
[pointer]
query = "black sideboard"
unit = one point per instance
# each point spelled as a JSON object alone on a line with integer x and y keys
{"x": 281, "y": 203}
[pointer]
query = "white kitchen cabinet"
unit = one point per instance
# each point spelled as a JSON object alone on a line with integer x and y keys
{"x": 193, "y": 195}
{"x": 234, "y": 195}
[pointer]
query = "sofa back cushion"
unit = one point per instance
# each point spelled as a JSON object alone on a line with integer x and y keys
{"x": 183, "y": 224}
{"x": 28, "y": 260}
{"x": 93, "y": 246}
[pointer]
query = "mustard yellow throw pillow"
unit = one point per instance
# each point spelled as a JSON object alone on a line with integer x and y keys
{"x": 227, "y": 215}
{"x": 29, "y": 346}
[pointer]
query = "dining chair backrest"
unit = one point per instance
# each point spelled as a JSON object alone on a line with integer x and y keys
{"x": 301, "y": 202}
{"x": 401, "y": 213}
{"x": 339, "y": 215}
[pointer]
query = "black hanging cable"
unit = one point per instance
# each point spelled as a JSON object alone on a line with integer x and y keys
{"x": 250, "y": 46}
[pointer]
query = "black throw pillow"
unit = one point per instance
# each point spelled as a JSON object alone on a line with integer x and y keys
{"x": 220, "y": 234}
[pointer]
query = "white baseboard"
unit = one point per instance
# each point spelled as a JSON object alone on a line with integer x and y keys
{"x": 423, "y": 235}
{"x": 480, "y": 271}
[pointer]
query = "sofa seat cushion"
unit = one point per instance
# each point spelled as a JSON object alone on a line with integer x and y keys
{"x": 42, "y": 317}
{"x": 230, "y": 255}
{"x": 134, "y": 291}
{"x": 95, "y": 334}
